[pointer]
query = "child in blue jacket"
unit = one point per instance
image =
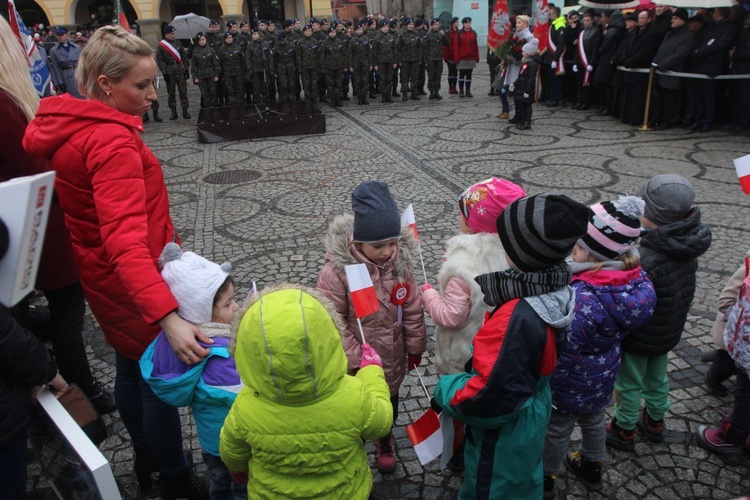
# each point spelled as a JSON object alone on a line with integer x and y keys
{"x": 205, "y": 294}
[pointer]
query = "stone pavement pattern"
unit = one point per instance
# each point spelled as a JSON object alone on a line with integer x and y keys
{"x": 263, "y": 205}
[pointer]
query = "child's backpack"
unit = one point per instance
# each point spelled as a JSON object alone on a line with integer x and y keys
{"x": 737, "y": 331}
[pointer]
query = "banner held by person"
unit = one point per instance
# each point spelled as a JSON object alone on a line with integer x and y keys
{"x": 38, "y": 70}
{"x": 499, "y": 25}
{"x": 362, "y": 292}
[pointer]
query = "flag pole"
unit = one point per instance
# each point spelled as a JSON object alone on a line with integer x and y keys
{"x": 421, "y": 381}
{"x": 361, "y": 331}
{"x": 419, "y": 247}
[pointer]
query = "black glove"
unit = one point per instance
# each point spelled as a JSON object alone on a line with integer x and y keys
{"x": 187, "y": 74}
{"x": 435, "y": 406}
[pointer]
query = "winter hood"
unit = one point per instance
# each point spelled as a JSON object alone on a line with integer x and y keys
{"x": 686, "y": 239}
{"x": 555, "y": 308}
{"x": 60, "y": 117}
{"x": 288, "y": 345}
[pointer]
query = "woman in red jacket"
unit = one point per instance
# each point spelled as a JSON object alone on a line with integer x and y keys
{"x": 449, "y": 58}
{"x": 112, "y": 191}
{"x": 466, "y": 55}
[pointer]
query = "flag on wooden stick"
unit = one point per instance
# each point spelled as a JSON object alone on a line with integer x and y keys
{"x": 361, "y": 290}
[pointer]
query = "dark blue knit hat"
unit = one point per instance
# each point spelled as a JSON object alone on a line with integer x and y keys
{"x": 376, "y": 216}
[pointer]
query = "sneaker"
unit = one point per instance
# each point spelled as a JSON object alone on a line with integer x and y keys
{"x": 550, "y": 490}
{"x": 590, "y": 473}
{"x": 385, "y": 454}
{"x": 652, "y": 429}
{"x": 102, "y": 399}
{"x": 711, "y": 440}
{"x": 619, "y": 438}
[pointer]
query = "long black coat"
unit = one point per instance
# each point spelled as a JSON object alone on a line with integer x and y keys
{"x": 710, "y": 52}
{"x": 741, "y": 59}
{"x": 639, "y": 51}
{"x": 614, "y": 35}
{"x": 672, "y": 55}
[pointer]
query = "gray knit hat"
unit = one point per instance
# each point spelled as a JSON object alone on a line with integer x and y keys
{"x": 540, "y": 231}
{"x": 668, "y": 197}
{"x": 376, "y": 216}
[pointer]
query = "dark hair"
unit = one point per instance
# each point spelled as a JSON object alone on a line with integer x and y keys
{"x": 223, "y": 288}
{"x": 556, "y": 10}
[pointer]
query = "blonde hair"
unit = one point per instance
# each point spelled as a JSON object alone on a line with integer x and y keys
{"x": 111, "y": 52}
{"x": 630, "y": 261}
{"x": 15, "y": 78}
{"x": 525, "y": 19}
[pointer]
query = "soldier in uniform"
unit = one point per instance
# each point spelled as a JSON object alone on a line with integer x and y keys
{"x": 175, "y": 66}
{"x": 333, "y": 60}
{"x": 215, "y": 40}
{"x": 384, "y": 59}
{"x": 434, "y": 44}
{"x": 244, "y": 37}
{"x": 63, "y": 63}
{"x": 409, "y": 55}
{"x": 360, "y": 63}
{"x": 232, "y": 61}
{"x": 316, "y": 32}
{"x": 308, "y": 59}
{"x": 420, "y": 26}
{"x": 393, "y": 29}
{"x": 257, "y": 60}
{"x": 371, "y": 33}
{"x": 285, "y": 67}
{"x": 206, "y": 70}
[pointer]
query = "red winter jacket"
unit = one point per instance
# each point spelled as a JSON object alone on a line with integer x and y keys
{"x": 466, "y": 47}
{"x": 448, "y": 50}
{"x": 112, "y": 191}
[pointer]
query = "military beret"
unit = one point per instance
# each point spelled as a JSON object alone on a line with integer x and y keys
{"x": 335, "y": 23}
{"x": 243, "y": 23}
{"x": 408, "y": 20}
{"x": 394, "y": 24}
{"x": 288, "y": 22}
{"x": 347, "y": 23}
{"x": 331, "y": 30}
{"x": 199, "y": 35}
{"x": 454, "y": 20}
{"x": 314, "y": 20}
{"x": 466, "y": 20}
{"x": 231, "y": 23}
{"x": 324, "y": 21}
{"x": 214, "y": 22}
{"x": 167, "y": 29}
{"x": 271, "y": 22}
{"x": 418, "y": 22}
{"x": 254, "y": 30}
{"x": 61, "y": 30}
{"x": 262, "y": 21}
{"x": 358, "y": 26}
{"x": 228, "y": 34}
{"x": 281, "y": 35}
{"x": 435, "y": 20}
{"x": 307, "y": 27}
{"x": 382, "y": 23}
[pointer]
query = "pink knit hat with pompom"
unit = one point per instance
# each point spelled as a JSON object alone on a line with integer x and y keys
{"x": 482, "y": 203}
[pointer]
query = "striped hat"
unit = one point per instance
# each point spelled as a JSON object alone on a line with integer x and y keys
{"x": 614, "y": 227}
{"x": 540, "y": 231}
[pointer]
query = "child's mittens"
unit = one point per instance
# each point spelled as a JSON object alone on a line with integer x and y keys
{"x": 239, "y": 477}
{"x": 426, "y": 287}
{"x": 370, "y": 357}
{"x": 414, "y": 361}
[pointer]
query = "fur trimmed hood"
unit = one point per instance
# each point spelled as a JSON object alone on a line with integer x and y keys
{"x": 340, "y": 249}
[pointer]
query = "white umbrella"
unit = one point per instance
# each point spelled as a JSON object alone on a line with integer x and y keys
{"x": 610, "y": 4}
{"x": 189, "y": 25}
{"x": 564, "y": 11}
{"x": 696, "y": 4}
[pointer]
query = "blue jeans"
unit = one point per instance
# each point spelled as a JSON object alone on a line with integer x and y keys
{"x": 13, "y": 469}
{"x": 221, "y": 486}
{"x": 148, "y": 419}
{"x": 504, "y": 99}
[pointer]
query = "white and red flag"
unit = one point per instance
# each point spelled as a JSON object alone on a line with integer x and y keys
{"x": 426, "y": 436}
{"x": 742, "y": 165}
{"x": 499, "y": 25}
{"x": 453, "y": 435}
{"x": 121, "y": 19}
{"x": 408, "y": 220}
{"x": 541, "y": 24}
{"x": 361, "y": 290}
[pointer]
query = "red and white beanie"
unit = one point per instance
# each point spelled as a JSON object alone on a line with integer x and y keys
{"x": 482, "y": 203}
{"x": 614, "y": 227}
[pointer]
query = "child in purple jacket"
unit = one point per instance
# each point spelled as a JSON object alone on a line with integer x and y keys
{"x": 613, "y": 297}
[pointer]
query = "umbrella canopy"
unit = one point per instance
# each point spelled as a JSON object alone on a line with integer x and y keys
{"x": 696, "y": 4}
{"x": 189, "y": 25}
{"x": 564, "y": 11}
{"x": 610, "y": 4}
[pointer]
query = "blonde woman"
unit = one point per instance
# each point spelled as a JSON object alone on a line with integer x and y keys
{"x": 112, "y": 191}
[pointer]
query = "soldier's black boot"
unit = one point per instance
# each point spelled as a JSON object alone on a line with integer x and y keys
{"x": 432, "y": 95}
{"x": 395, "y": 93}
{"x": 157, "y": 118}
{"x": 414, "y": 95}
{"x": 421, "y": 91}
{"x": 390, "y": 99}
{"x": 384, "y": 99}
{"x": 185, "y": 114}
{"x": 437, "y": 95}
{"x": 364, "y": 100}
{"x": 173, "y": 116}
{"x": 145, "y": 117}
{"x": 404, "y": 95}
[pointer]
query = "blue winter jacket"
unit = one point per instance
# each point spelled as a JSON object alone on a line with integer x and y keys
{"x": 209, "y": 387}
{"x": 609, "y": 304}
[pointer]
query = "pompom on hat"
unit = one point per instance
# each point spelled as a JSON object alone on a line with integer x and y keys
{"x": 614, "y": 227}
{"x": 193, "y": 281}
{"x": 482, "y": 203}
{"x": 531, "y": 48}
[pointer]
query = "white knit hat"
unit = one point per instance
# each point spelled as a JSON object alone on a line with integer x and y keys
{"x": 193, "y": 281}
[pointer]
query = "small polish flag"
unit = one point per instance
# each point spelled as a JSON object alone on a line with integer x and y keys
{"x": 742, "y": 165}
{"x": 426, "y": 437}
{"x": 364, "y": 299}
{"x": 453, "y": 435}
{"x": 408, "y": 220}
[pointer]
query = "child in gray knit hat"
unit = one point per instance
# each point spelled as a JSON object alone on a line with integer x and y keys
{"x": 670, "y": 248}
{"x": 373, "y": 236}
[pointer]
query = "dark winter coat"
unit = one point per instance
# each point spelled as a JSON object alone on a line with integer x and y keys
{"x": 669, "y": 255}
{"x": 640, "y": 50}
{"x": 609, "y": 304}
{"x": 741, "y": 58}
{"x": 448, "y": 50}
{"x": 24, "y": 362}
{"x": 672, "y": 55}
{"x": 710, "y": 54}
{"x": 613, "y": 37}
{"x": 592, "y": 39}
{"x": 526, "y": 81}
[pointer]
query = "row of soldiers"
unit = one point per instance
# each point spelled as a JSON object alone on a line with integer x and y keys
{"x": 243, "y": 66}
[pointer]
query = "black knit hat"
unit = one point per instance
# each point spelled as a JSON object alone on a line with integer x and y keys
{"x": 376, "y": 216}
{"x": 540, "y": 231}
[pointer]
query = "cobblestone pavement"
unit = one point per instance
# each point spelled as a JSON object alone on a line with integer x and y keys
{"x": 267, "y": 211}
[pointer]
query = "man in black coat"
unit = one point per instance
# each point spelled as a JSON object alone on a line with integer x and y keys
{"x": 709, "y": 58}
{"x": 639, "y": 53}
{"x": 614, "y": 33}
{"x": 672, "y": 54}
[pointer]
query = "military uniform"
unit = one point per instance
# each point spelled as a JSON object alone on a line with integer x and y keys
{"x": 285, "y": 68}
{"x": 434, "y": 43}
{"x": 384, "y": 57}
{"x": 63, "y": 64}
{"x": 371, "y": 33}
{"x": 333, "y": 60}
{"x": 409, "y": 49}
{"x": 308, "y": 62}
{"x": 233, "y": 69}
{"x": 175, "y": 70}
{"x": 360, "y": 61}
{"x": 257, "y": 61}
{"x": 206, "y": 70}
{"x": 215, "y": 41}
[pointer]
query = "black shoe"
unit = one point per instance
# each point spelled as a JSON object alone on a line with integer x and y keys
{"x": 652, "y": 429}
{"x": 359, "y": 101}
{"x": 144, "y": 465}
{"x": 432, "y": 96}
{"x": 491, "y": 92}
{"x": 422, "y": 92}
{"x": 173, "y": 116}
{"x": 438, "y": 96}
{"x": 404, "y": 96}
{"x": 602, "y": 112}
{"x": 365, "y": 101}
{"x": 583, "y": 107}
{"x": 550, "y": 490}
{"x": 553, "y": 104}
{"x": 461, "y": 93}
{"x": 715, "y": 387}
{"x": 705, "y": 128}
{"x": 590, "y": 473}
{"x": 515, "y": 119}
{"x": 346, "y": 98}
{"x": 157, "y": 118}
{"x": 186, "y": 485}
{"x": 663, "y": 126}
{"x": 619, "y": 438}
{"x": 395, "y": 94}
{"x": 102, "y": 399}
{"x": 145, "y": 117}
{"x": 469, "y": 94}
{"x": 373, "y": 95}
{"x": 523, "y": 126}
{"x": 384, "y": 99}
{"x": 414, "y": 96}
{"x": 186, "y": 115}
{"x": 695, "y": 126}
